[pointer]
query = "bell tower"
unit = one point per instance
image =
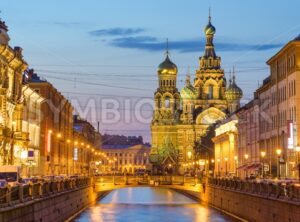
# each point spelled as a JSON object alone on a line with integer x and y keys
{"x": 166, "y": 97}
{"x": 210, "y": 81}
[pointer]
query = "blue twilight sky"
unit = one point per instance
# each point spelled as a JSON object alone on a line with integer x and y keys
{"x": 98, "y": 50}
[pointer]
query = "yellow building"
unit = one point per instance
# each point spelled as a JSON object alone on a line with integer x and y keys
{"x": 226, "y": 152}
{"x": 125, "y": 159}
{"x": 180, "y": 120}
{"x": 13, "y": 141}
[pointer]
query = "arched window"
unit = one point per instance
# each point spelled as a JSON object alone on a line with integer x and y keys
{"x": 210, "y": 91}
{"x": 167, "y": 102}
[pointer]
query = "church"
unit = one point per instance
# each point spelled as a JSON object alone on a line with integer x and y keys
{"x": 181, "y": 120}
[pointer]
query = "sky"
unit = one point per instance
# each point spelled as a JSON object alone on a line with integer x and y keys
{"x": 104, "y": 54}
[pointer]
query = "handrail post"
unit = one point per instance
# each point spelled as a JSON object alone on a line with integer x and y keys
{"x": 21, "y": 195}
{"x": 8, "y": 194}
{"x": 40, "y": 189}
{"x": 30, "y": 190}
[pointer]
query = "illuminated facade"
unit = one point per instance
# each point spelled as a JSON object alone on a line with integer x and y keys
{"x": 126, "y": 159}
{"x": 13, "y": 140}
{"x": 87, "y": 141}
{"x": 31, "y": 123}
{"x": 56, "y": 127}
{"x": 226, "y": 151}
{"x": 279, "y": 107}
{"x": 180, "y": 120}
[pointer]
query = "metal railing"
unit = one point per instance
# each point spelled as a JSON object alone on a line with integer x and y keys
{"x": 22, "y": 193}
{"x": 147, "y": 180}
{"x": 287, "y": 191}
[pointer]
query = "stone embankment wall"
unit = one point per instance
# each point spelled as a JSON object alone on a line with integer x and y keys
{"x": 251, "y": 201}
{"x": 51, "y": 207}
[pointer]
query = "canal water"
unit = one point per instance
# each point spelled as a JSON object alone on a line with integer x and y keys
{"x": 147, "y": 204}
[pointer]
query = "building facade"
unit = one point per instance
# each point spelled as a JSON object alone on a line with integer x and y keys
{"x": 267, "y": 127}
{"x": 13, "y": 140}
{"x": 279, "y": 111}
{"x": 31, "y": 124}
{"x": 181, "y": 119}
{"x": 226, "y": 147}
{"x": 129, "y": 159}
{"x": 248, "y": 139}
{"x": 87, "y": 142}
{"x": 56, "y": 127}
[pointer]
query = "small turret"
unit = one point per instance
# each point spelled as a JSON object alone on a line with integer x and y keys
{"x": 4, "y": 38}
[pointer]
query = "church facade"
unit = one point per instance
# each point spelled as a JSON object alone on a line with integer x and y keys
{"x": 182, "y": 119}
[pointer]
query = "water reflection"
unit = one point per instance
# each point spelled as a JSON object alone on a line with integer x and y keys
{"x": 148, "y": 204}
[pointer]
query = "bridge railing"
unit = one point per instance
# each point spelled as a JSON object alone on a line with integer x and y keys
{"x": 22, "y": 193}
{"x": 279, "y": 190}
{"x": 147, "y": 180}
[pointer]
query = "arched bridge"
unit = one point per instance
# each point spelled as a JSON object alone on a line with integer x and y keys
{"x": 106, "y": 183}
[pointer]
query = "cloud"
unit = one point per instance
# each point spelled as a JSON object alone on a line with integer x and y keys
{"x": 150, "y": 43}
{"x": 116, "y": 32}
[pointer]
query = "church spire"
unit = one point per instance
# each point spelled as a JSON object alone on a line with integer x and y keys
{"x": 209, "y": 31}
{"x": 188, "y": 77}
{"x": 209, "y": 60}
{"x": 230, "y": 80}
{"x": 233, "y": 76}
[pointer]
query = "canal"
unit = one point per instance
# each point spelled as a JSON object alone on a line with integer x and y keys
{"x": 149, "y": 204}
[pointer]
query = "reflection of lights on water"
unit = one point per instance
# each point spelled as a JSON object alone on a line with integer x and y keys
{"x": 148, "y": 204}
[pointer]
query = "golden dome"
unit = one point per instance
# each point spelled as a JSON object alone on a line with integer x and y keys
{"x": 233, "y": 92}
{"x": 188, "y": 92}
{"x": 167, "y": 67}
{"x": 209, "y": 28}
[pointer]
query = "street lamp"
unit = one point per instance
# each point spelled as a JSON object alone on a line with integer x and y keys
{"x": 246, "y": 158}
{"x": 298, "y": 160}
{"x": 219, "y": 166}
{"x": 213, "y": 167}
{"x": 263, "y": 154}
{"x": 226, "y": 159}
{"x": 278, "y": 151}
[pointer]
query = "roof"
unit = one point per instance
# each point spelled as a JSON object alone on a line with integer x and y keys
{"x": 123, "y": 146}
{"x": 295, "y": 41}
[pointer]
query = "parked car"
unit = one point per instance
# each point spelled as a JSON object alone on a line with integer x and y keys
{"x": 3, "y": 183}
{"x": 27, "y": 180}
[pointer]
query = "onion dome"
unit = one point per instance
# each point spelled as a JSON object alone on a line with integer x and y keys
{"x": 209, "y": 28}
{"x": 233, "y": 92}
{"x": 167, "y": 67}
{"x": 4, "y": 38}
{"x": 188, "y": 91}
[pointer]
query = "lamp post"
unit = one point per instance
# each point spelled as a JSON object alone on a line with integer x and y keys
{"x": 263, "y": 154}
{"x": 246, "y": 159}
{"x": 278, "y": 151}
{"x": 298, "y": 160}
{"x": 213, "y": 167}
{"x": 236, "y": 164}
{"x": 189, "y": 155}
{"x": 226, "y": 159}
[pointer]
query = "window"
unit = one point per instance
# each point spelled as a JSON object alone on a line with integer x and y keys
{"x": 167, "y": 102}
{"x": 210, "y": 92}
